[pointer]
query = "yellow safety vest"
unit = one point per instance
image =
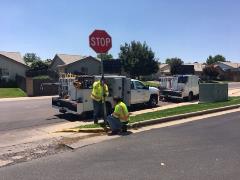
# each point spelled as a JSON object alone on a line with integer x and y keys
{"x": 121, "y": 112}
{"x": 97, "y": 92}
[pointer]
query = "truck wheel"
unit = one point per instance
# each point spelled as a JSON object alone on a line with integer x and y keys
{"x": 190, "y": 96}
{"x": 153, "y": 101}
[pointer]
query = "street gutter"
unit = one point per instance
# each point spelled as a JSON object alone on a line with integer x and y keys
{"x": 158, "y": 120}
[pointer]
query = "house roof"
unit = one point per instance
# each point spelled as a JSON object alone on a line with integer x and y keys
{"x": 230, "y": 64}
{"x": 198, "y": 67}
{"x": 68, "y": 59}
{"x": 16, "y": 56}
{"x": 164, "y": 66}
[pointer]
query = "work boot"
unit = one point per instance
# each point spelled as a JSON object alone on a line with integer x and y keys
{"x": 124, "y": 127}
{"x": 115, "y": 132}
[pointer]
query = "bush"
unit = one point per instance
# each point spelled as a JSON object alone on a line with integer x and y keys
{"x": 8, "y": 83}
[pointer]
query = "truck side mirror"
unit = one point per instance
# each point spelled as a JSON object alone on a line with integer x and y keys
{"x": 146, "y": 87}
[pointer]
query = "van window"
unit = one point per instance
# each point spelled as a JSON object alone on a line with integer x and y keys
{"x": 183, "y": 79}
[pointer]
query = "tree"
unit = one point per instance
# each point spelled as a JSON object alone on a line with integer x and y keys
{"x": 211, "y": 72}
{"x": 215, "y": 59}
{"x": 138, "y": 59}
{"x": 174, "y": 64}
{"x": 29, "y": 58}
{"x": 48, "y": 62}
{"x": 105, "y": 56}
{"x": 38, "y": 66}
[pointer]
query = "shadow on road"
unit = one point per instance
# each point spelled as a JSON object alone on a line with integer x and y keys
{"x": 72, "y": 117}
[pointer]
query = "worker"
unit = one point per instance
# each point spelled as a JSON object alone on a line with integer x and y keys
{"x": 119, "y": 119}
{"x": 98, "y": 95}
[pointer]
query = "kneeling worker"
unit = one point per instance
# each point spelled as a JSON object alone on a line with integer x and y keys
{"x": 119, "y": 119}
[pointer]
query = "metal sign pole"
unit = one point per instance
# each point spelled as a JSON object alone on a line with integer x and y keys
{"x": 103, "y": 95}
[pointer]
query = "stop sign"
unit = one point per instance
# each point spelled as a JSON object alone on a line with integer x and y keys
{"x": 100, "y": 41}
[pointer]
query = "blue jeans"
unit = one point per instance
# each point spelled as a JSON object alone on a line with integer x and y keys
{"x": 114, "y": 123}
{"x": 97, "y": 110}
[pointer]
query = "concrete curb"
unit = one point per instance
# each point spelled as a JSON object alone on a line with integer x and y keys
{"x": 181, "y": 116}
{"x": 83, "y": 130}
{"x": 160, "y": 120}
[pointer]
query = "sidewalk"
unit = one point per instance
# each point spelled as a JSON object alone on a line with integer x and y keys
{"x": 19, "y": 140}
{"x": 25, "y": 98}
{"x": 234, "y": 92}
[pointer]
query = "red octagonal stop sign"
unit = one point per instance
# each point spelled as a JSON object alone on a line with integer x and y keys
{"x": 100, "y": 41}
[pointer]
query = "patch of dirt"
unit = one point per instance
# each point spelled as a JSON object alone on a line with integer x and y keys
{"x": 30, "y": 154}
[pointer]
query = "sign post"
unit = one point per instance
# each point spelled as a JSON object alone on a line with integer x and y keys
{"x": 100, "y": 41}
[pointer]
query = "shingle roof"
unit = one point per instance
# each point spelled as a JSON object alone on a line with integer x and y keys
{"x": 233, "y": 65}
{"x": 198, "y": 67}
{"x": 68, "y": 59}
{"x": 16, "y": 56}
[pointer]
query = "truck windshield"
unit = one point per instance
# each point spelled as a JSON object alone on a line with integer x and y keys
{"x": 183, "y": 79}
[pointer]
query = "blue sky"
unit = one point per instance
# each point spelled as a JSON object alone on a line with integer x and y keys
{"x": 189, "y": 29}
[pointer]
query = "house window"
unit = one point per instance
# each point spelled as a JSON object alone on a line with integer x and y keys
{"x": 4, "y": 72}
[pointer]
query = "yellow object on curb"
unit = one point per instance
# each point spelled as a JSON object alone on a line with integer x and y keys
{"x": 83, "y": 130}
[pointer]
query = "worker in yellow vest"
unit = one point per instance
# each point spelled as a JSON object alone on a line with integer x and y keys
{"x": 119, "y": 119}
{"x": 99, "y": 92}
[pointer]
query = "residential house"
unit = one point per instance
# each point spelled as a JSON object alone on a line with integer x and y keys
{"x": 226, "y": 66}
{"x": 11, "y": 64}
{"x": 228, "y": 71}
{"x": 198, "y": 68}
{"x": 164, "y": 70}
{"x": 64, "y": 63}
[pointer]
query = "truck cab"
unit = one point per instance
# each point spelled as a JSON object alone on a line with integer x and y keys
{"x": 141, "y": 93}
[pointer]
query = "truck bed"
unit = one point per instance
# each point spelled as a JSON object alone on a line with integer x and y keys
{"x": 64, "y": 103}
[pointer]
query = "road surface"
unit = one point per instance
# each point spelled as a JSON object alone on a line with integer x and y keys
{"x": 32, "y": 113}
{"x": 207, "y": 149}
{"x": 26, "y": 113}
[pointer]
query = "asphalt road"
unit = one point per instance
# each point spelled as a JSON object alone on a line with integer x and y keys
{"x": 207, "y": 149}
{"x": 26, "y": 113}
{"x": 32, "y": 113}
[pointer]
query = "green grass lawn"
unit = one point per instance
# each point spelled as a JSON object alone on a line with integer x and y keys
{"x": 11, "y": 92}
{"x": 176, "y": 111}
{"x": 153, "y": 84}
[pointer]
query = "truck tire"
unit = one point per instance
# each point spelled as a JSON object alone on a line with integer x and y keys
{"x": 190, "y": 96}
{"x": 153, "y": 101}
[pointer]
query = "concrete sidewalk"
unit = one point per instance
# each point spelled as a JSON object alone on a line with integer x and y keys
{"x": 25, "y": 98}
{"x": 233, "y": 92}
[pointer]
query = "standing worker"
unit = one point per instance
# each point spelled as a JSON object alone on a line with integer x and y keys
{"x": 98, "y": 95}
{"x": 119, "y": 119}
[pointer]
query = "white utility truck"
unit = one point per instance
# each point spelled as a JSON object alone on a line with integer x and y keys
{"x": 74, "y": 93}
{"x": 179, "y": 87}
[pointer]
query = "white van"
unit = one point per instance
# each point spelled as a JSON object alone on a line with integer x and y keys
{"x": 179, "y": 87}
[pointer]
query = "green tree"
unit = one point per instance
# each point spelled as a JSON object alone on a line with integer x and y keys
{"x": 38, "y": 66}
{"x": 217, "y": 58}
{"x": 138, "y": 59}
{"x": 29, "y": 58}
{"x": 174, "y": 64}
{"x": 211, "y": 72}
{"x": 105, "y": 56}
